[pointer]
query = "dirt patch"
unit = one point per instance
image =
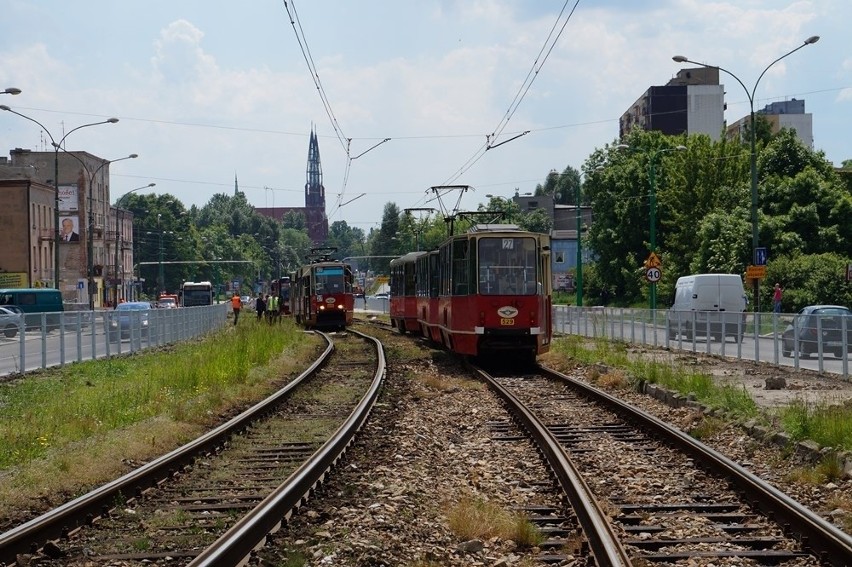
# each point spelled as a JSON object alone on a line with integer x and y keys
{"x": 769, "y": 385}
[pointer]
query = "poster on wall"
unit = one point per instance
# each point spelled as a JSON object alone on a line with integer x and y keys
{"x": 69, "y": 228}
{"x": 13, "y": 279}
{"x": 68, "y": 199}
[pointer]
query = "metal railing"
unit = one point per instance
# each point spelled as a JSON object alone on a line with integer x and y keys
{"x": 42, "y": 340}
{"x": 824, "y": 341}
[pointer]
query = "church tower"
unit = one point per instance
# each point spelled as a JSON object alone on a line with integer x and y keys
{"x": 315, "y": 216}
{"x": 314, "y": 191}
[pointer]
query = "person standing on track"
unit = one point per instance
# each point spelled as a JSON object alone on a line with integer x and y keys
{"x": 236, "y": 305}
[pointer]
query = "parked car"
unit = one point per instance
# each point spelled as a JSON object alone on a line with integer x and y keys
{"x": 11, "y": 319}
{"x": 129, "y": 319}
{"x": 817, "y": 325}
{"x": 382, "y": 295}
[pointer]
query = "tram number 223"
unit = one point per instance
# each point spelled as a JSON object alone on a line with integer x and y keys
{"x": 505, "y": 321}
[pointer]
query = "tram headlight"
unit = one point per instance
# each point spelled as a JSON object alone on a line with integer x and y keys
{"x": 322, "y": 307}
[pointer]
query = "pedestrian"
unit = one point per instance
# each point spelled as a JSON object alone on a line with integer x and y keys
{"x": 776, "y": 299}
{"x": 236, "y": 305}
{"x": 260, "y": 306}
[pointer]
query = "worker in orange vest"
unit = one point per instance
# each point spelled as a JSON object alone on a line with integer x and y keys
{"x": 236, "y": 305}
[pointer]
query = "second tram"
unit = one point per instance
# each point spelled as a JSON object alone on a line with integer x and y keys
{"x": 321, "y": 293}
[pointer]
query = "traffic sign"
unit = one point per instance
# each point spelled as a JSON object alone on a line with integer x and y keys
{"x": 756, "y": 272}
{"x": 653, "y": 275}
{"x": 760, "y": 257}
{"x": 653, "y": 261}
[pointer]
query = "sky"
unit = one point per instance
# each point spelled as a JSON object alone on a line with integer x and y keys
{"x": 404, "y": 95}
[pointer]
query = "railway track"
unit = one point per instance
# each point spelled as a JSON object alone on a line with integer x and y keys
{"x": 214, "y": 500}
{"x": 645, "y": 492}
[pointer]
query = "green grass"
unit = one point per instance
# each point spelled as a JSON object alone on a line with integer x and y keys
{"x": 830, "y": 425}
{"x": 49, "y": 410}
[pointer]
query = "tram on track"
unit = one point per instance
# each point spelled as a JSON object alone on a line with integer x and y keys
{"x": 321, "y": 292}
{"x": 483, "y": 292}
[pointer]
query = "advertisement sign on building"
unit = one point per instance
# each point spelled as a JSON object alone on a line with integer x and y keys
{"x": 69, "y": 228}
{"x": 13, "y": 279}
{"x": 68, "y": 199}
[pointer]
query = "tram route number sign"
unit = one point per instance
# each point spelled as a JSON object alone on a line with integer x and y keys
{"x": 653, "y": 275}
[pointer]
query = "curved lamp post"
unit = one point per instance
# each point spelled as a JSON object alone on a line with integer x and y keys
{"x": 753, "y": 145}
{"x": 90, "y": 225}
{"x": 118, "y": 232}
{"x": 652, "y": 198}
{"x": 56, "y": 147}
{"x": 11, "y": 91}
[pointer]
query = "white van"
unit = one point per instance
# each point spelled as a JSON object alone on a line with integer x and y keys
{"x": 712, "y": 305}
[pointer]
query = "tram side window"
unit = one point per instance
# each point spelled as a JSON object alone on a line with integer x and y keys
{"x": 507, "y": 266}
{"x": 461, "y": 267}
{"x": 444, "y": 261}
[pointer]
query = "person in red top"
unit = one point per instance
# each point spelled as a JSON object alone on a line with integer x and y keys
{"x": 776, "y": 299}
{"x": 236, "y": 305}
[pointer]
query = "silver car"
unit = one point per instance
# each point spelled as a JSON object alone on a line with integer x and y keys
{"x": 11, "y": 320}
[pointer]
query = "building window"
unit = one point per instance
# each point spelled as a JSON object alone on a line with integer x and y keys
{"x": 560, "y": 257}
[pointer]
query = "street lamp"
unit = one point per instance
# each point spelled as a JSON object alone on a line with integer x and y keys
{"x": 753, "y": 150}
{"x": 56, "y": 147}
{"x": 119, "y": 277}
{"x": 90, "y": 252}
{"x": 652, "y": 194}
{"x": 11, "y": 91}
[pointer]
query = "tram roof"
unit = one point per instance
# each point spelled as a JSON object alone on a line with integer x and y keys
{"x": 494, "y": 228}
{"x": 410, "y": 257}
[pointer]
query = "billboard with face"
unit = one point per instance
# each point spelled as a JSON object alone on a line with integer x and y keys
{"x": 69, "y": 228}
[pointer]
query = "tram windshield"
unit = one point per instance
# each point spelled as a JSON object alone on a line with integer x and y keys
{"x": 330, "y": 280}
{"x": 508, "y": 266}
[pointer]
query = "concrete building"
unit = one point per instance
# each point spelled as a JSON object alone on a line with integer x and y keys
{"x": 783, "y": 114}
{"x": 27, "y": 232}
{"x": 692, "y": 102}
{"x": 84, "y": 211}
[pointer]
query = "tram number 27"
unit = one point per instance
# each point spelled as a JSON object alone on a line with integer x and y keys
{"x": 504, "y": 321}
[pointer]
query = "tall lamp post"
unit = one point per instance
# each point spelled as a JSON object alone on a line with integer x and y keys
{"x": 90, "y": 225}
{"x": 56, "y": 147}
{"x": 652, "y": 202}
{"x": 11, "y": 91}
{"x": 753, "y": 146}
{"x": 118, "y": 233}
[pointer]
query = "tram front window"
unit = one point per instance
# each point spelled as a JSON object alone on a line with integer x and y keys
{"x": 507, "y": 266}
{"x": 330, "y": 280}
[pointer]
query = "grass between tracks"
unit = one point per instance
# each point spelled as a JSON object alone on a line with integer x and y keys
{"x": 67, "y": 428}
{"x": 827, "y": 424}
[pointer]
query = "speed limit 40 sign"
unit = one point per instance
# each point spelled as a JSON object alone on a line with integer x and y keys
{"x": 653, "y": 275}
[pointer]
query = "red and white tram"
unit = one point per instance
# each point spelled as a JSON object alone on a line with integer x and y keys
{"x": 484, "y": 291}
{"x": 321, "y": 294}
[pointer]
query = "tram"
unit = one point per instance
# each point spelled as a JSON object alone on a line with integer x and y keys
{"x": 321, "y": 292}
{"x": 484, "y": 291}
{"x": 280, "y": 287}
{"x": 403, "y": 293}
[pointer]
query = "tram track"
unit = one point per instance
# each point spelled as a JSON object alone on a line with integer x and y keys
{"x": 215, "y": 499}
{"x": 680, "y": 501}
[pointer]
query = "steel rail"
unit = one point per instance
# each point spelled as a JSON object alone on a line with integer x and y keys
{"x": 235, "y": 546}
{"x": 829, "y": 544}
{"x": 31, "y": 535}
{"x": 602, "y": 539}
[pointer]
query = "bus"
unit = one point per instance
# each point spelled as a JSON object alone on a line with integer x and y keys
{"x": 193, "y": 294}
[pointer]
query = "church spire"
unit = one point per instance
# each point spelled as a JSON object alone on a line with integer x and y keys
{"x": 314, "y": 190}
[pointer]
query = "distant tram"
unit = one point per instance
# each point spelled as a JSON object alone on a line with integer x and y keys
{"x": 321, "y": 292}
{"x": 281, "y": 288}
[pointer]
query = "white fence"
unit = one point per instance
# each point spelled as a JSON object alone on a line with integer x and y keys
{"x": 757, "y": 337}
{"x": 50, "y": 339}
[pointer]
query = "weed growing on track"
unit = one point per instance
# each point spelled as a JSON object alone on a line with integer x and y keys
{"x": 474, "y": 518}
{"x": 75, "y": 425}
